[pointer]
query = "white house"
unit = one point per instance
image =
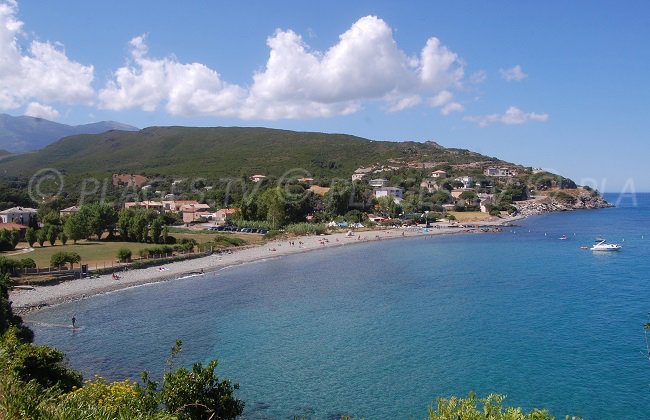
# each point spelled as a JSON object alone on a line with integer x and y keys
{"x": 395, "y": 192}
{"x": 19, "y": 215}
{"x": 494, "y": 171}
{"x": 357, "y": 177}
{"x": 258, "y": 178}
{"x": 378, "y": 182}
{"x": 468, "y": 181}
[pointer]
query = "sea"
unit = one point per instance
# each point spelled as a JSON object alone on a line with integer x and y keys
{"x": 380, "y": 330}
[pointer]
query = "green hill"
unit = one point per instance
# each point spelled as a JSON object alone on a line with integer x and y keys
{"x": 227, "y": 151}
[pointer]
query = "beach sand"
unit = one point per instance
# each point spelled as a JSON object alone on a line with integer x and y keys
{"x": 25, "y": 300}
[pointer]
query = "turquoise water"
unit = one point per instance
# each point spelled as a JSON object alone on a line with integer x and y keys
{"x": 379, "y": 330}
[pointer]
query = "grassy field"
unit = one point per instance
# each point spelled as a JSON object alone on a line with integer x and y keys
{"x": 99, "y": 254}
{"x": 470, "y": 216}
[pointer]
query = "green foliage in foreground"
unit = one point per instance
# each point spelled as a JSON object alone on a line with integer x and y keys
{"x": 35, "y": 383}
{"x": 488, "y": 408}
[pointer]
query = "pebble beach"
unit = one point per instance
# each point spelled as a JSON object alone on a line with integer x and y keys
{"x": 37, "y": 297}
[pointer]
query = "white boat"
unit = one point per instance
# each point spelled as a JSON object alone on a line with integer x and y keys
{"x": 603, "y": 246}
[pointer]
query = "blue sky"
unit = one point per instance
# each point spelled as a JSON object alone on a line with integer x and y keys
{"x": 560, "y": 85}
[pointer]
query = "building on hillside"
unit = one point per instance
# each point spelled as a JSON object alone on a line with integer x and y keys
{"x": 306, "y": 180}
{"x": 69, "y": 211}
{"x": 193, "y": 212}
{"x": 318, "y": 190}
{"x": 129, "y": 180}
{"x": 429, "y": 184}
{"x": 221, "y": 216}
{"x": 448, "y": 207}
{"x": 439, "y": 174}
{"x": 258, "y": 178}
{"x": 457, "y": 192}
{"x": 468, "y": 181}
{"x": 175, "y": 206}
{"x": 14, "y": 226}
{"x": 395, "y": 192}
{"x": 19, "y": 215}
{"x": 494, "y": 171}
{"x": 153, "y": 205}
{"x": 378, "y": 182}
{"x": 357, "y": 177}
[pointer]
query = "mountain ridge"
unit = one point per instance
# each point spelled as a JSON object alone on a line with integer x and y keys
{"x": 19, "y": 134}
{"x": 230, "y": 151}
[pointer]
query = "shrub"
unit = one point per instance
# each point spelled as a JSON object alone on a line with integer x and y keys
{"x": 27, "y": 263}
{"x": 124, "y": 255}
{"x": 306, "y": 228}
{"x": 61, "y": 258}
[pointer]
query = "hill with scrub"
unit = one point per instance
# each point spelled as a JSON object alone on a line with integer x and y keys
{"x": 231, "y": 151}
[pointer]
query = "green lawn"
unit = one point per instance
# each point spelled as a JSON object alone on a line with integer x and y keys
{"x": 93, "y": 253}
{"x": 98, "y": 254}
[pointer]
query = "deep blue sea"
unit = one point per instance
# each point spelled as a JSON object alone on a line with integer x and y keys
{"x": 378, "y": 330}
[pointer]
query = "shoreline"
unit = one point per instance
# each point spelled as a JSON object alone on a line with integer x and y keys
{"x": 25, "y": 300}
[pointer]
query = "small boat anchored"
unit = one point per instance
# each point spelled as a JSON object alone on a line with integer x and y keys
{"x": 604, "y": 246}
{"x": 563, "y": 238}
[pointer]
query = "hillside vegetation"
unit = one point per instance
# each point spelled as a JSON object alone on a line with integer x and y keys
{"x": 225, "y": 151}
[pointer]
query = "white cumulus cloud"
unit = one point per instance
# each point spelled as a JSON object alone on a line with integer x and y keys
{"x": 512, "y": 116}
{"x": 34, "y": 109}
{"x": 514, "y": 74}
{"x": 296, "y": 82}
{"x": 40, "y": 72}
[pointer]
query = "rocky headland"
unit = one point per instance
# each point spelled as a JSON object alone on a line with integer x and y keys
{"x": 564, "y": 200}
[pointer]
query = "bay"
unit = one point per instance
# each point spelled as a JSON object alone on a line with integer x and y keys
{"x": 378, "y": 330}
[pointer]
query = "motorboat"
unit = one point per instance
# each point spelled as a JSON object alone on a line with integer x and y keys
{"x": 604, "y": 246}
{"x": 563, "y": 238}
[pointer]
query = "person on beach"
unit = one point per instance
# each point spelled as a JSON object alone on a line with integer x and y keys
{"x": 74, "y": 321}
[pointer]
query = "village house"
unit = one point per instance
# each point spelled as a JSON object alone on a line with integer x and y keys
{"x": 456, "y": 193}
{"x": 19, "y": 215}
{"x": 14, "y": 226}
{"x": 221, "y": 216}
{"x": 439, "y": 174}
{"x": 193, "y": 212}
{"x": 494, "y": 171}
{"x": 429, "y": 184}
{"x": 69, "y": 211}
{"x": 153, "y": 205}
{"x": 395, "y": 192}
{"x": 129, "y": 180}
{"x": 360, "y": 173}
{"x": 468, "y": 181}
{"x": 258, "y": 178}
{"x": 175, "y": 206}
{"x": 378, "y": 182}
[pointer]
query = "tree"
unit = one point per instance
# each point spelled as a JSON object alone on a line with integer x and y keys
{"x": 61, "y": 258}
{"x": 103, "y": 217}
{"x": 41, "y": 237}
{"x": 75, "y": 227}
{"x": 156, "y": 230}
{"x": 388, "y": 207}
{"x": 5, "y": 241}
{"x": 165, "y": 234}
{"x": 52, "y": 233}
{"x": 30, "y": 236}
{"x": 196, "y": 393}
{"x": 63, "y": 237}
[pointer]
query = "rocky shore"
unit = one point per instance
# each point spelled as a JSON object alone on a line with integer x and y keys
{"x": 582, "y": 199}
